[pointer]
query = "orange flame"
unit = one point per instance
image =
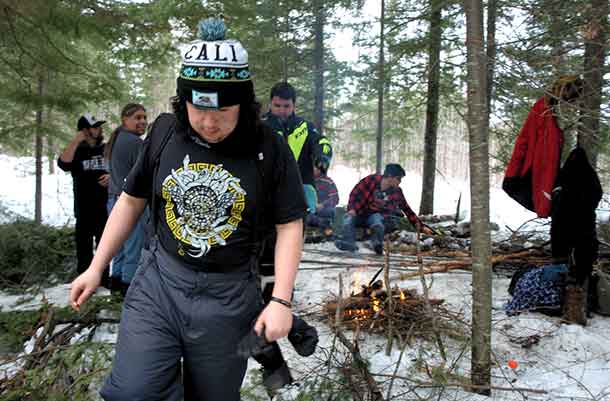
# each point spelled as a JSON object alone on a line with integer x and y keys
{"x": 357, "y": 280}
{"x": 376, "y": 303}
{"x": 358, "y": 314}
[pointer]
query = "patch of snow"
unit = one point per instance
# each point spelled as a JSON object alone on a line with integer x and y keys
{"x": 567, "y": 361}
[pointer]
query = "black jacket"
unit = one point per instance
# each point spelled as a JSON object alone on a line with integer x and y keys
{"x": 304, "y": 141}
{"x": 573, "y": 227}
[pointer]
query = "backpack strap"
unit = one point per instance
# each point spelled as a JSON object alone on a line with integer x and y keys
{"x": 160, "y": 133}
{"x": 264, "y": 179}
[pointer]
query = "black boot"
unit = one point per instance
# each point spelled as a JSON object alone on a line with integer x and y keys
{"x": 377, "y": 238}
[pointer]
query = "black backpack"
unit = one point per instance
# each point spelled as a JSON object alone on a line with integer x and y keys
{"x": 161, "y": 132}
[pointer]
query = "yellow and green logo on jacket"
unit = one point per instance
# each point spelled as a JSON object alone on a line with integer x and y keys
{"x": 296, "y": 139}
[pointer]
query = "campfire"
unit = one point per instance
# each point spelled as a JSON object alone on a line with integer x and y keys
{"x": 372, "y": 307}
{"x": 372, "y": 302}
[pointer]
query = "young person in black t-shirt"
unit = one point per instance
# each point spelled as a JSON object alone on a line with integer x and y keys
{"x": 194, "y": 295}
{"x": 83, "y": 157}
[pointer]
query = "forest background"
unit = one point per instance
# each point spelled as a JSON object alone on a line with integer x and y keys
{"x": 442, "y": 87}
{"x": 399, "y": 95}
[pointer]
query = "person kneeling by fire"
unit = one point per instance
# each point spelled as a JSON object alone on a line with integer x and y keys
{"x": 376, "y": 203}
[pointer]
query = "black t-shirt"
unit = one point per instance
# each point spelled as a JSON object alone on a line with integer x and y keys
{"x": 206, "y": 196}
{"x": 87, "y": 166}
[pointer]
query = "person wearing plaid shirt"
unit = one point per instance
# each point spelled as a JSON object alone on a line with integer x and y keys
{"x": 376, "y": 203}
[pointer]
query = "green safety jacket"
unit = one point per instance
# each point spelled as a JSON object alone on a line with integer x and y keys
{"x": 304, "y": 141}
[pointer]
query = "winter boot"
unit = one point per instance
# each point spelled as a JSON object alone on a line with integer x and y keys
{"x": 575, "y": 304}
{"x": 346, "y": 246}
{"x": 378, "y": 248}
{"x": 377, "y": 238}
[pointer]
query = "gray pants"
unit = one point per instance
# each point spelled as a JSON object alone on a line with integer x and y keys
{"x": 171, "y": 312}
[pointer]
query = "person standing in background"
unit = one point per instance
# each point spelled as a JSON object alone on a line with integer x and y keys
{"x": 306, "y": 145}
{"x": 84, "y": 159}
{"x": 121, "y": 154}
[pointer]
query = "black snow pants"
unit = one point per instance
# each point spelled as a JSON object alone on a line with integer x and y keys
{"x": 172, "y": 314}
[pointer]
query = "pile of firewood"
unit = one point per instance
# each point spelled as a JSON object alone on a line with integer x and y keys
{"x": 373, "y": 309}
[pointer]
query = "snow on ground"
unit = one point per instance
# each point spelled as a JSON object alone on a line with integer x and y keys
{"x": 19, "y": 184}
{"x": 569, "y": 362}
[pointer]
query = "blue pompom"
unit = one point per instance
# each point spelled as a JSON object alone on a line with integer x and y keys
{"x": 212, "y": 29}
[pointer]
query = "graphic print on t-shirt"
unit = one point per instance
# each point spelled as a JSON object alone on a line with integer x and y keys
{"x": 96, "y": 162}
{"x": 204, "y": 205}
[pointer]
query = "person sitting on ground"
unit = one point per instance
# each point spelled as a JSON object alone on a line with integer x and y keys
{"x": 328, "y": 198}
{"x": 376, "y": 203}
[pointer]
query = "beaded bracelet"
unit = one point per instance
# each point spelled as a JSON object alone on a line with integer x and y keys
{"x": 281, "y": 301}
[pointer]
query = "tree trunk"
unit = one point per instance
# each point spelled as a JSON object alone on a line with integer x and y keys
{"x": 434, "y": 71}
{"x": 380, "y": 86}
{"x": 50, "y": 147}
{"x": 595, "y": 35}
{"x": 492, "y": 12}
{"x": 478, "y": 125}
{"x": 38, "y": 192}
{"x": 51, "y": 155}
{"x": 318, "y": 60}
{"x": 557, "y": 26}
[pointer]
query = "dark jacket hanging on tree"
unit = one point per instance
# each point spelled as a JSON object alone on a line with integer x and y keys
{"x": 531, "y": 173}
{"x": 575, "y": 199}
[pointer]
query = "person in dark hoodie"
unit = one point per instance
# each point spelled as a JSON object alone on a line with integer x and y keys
{"x": 194, "y": 296}
{"x": 83, "y": 157}
{"x": 121, "y": 153}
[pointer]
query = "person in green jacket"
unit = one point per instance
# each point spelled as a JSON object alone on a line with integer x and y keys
{"x": 306, "y": 143}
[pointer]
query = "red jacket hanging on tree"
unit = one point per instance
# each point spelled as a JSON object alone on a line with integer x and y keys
{"x": 531, "y": 173}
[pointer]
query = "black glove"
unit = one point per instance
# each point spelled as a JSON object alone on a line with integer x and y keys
{"x": 303, "y": 337}
{"x": 267, "y": 354}
{"x": 252, "y": 344}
